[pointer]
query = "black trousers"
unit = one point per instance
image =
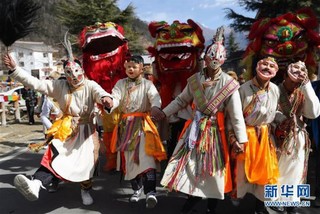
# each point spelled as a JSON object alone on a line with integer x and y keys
{"x": 30, "y": 110}
{"x": 147, "y": 180}
{"x": 193, "y": 200}
{"x": 47, "y": 177}
{"x": 174, "y": 133}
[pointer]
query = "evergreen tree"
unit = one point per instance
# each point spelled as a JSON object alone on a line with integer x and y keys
{"x": 76, "y": 14}
{"x": 232, "y": 45}
{"x": 266, "y": 8}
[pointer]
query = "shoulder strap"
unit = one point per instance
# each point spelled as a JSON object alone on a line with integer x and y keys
{"x": 212, "y": 106}
{"x": 227, "y": 90}
{"x": 197, "y": 89}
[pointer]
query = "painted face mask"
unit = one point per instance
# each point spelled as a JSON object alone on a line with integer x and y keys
{"x": 267, "y": 68}
{"x": 217, "y": 55}
{"x": 74, "y": 74}
{"x": 297, "y": 71}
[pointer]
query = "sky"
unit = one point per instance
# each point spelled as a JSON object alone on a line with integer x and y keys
{"x": 209, "y": 13}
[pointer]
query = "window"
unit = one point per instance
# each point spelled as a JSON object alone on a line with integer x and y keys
{"x": 45, "y": 64}
{"x": 45, "y": 55}
{"x": 21, "y": 64}
{"x": 30, "y": 53}
{"x": 31, "y": 63}
{"x": 20, "y": 54}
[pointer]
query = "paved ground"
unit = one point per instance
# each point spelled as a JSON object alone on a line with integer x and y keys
{"x": 110, "y": 193}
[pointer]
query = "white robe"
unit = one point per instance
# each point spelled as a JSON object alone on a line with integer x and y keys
{"x": 141, "y": 98}
{"x": 75, "y": 161}
{"x": 292, "y": 166}
{"x": 265, "y": 114}
{"x": 207, "y": 186}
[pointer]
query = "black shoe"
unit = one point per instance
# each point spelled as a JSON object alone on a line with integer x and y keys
{"x": 317, "y": 201}
{"x": 292, "y": 210}
{"x": 211, "y": 205}
{"x": 210, "y": 211}
{"x": 189, "y": 204}
{"x": 53, "y": 187}
{"x": 277, "y": 209}
{"x": 262, "y": 212}
{"x": 260, "y": 208}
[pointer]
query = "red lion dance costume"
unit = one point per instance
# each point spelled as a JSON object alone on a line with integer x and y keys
{"x": 287, "y": 38}
{"x": 104, "y": 50}
{"x": 177, "y": 50}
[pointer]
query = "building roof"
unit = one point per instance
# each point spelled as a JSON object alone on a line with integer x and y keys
{"x": 34, "y": 46}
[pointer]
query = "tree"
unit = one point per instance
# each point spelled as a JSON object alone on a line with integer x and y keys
{"x": 232, "y": 45}
{"x": 266, "y": 8}
{"x": 76, "y": 14}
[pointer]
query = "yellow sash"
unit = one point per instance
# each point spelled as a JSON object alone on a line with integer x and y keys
{"x": 261, "y": 163}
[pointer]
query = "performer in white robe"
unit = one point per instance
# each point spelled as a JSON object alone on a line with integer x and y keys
{"x": 199, "y": 165}
{"x": 297, "y": 100}
{"x": 73, "y": 151}
{"x": 259, "y": 99}
{"x": 135, "y": 97}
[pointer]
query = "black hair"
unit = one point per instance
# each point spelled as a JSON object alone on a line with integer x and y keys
{"x": 136, "y": 59}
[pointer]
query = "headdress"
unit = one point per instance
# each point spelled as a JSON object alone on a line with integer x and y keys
{"x": 67, "y": 45}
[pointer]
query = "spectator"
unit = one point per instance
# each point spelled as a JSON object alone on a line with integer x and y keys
{"x": 30, "y": 96}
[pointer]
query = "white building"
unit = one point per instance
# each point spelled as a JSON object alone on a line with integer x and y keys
{"x": 34, "y": 57}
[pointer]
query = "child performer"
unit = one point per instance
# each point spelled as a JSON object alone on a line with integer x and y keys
{"x": 136, "y": 136}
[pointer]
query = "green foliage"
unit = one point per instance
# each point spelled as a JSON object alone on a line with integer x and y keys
{"x": 266, "y": 8}
{"x": 232, "y": 46}
{"x": 76, "y": 14}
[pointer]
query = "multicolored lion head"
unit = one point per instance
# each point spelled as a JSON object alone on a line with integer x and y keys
{"x": 104, "y": 50}
{"x": 287, "y": 38}
{"x": 177, "y": 49}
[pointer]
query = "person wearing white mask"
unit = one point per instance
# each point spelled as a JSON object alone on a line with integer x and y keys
{"x": 73, "y": 143}
{"x": 297, "y": 100}
{"x": 258, "y": 165}
{"x": 199, "y": 166}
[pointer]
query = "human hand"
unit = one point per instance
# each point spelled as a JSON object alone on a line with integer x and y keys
{"x": 157, "y": 114}
{"x": 107, "y": 102}
{"x": 237, "y": 148}
{"x": 9, "y": 62}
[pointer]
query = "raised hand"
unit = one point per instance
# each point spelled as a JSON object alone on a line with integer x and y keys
{"x": 9, "y": 62}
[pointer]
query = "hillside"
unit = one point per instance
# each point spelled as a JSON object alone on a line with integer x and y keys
{"x": 49, "y": 29}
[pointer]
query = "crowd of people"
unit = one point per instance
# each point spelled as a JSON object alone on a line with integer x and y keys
{"x": 239, "y": 138}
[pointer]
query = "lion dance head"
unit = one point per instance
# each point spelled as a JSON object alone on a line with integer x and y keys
{"x": 177, "y": 50}
{"x": 288, "y": 38}
{"x": 104, "y": 49}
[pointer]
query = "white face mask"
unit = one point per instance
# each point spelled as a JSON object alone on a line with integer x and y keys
{"x": 74, "y": 74}
{"x": 296, "y": 70}
{"x": 266, "y": 69}
{"x": 217, "y": 55}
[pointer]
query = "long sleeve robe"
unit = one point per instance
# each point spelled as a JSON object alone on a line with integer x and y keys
{"x": 75, "y": 160}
